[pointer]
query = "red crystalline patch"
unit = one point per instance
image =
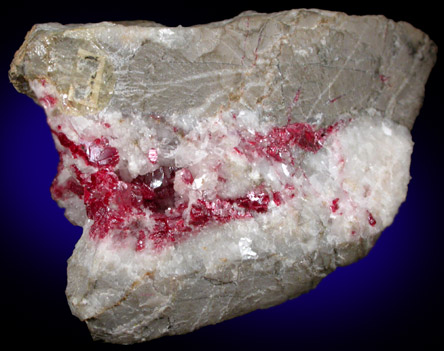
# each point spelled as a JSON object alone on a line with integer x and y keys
{"x": 277, "y": 198}
{"x": 114, "y": 204}
{"x": 304, "y": 136}
{"x": 169, "y": 227}
{"x": 74, "y": 186}
{"x": 76, "y": 150}
{"x": 219, "y": 210}
{"x": 110, "y": 202}
{"x": 237, "y": 150}
{"x": 100, "y": 154}
{"x": 161, "y": 185}
{"x": 48, "y": 101}
{"x": 60, "y": 192}
{"x": 99, "y": 191}
{"x": 97, "y": 153}
{"x": 199, "y": 213}
{"x": 224, "y": 210}
{"x": 257, "y": 202}
{"x": 57, "y": 191}
{"x": 370, "y": 218}
{"x": 335, "y": 99}
{"x": 120, "y": 207}
{"x": 334, "y": 205}
{"x": 172, "y": 225}
{"x": 280, "y": 141}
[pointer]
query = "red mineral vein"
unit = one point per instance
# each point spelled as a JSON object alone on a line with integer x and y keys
{"x": 117, "y": 207}
{"x": 297, "y": 96}
{"x": 335, "y": 99}
{"x": 277, "y": 198}
{"x": 97, "y": 153}
{"x": 187, "y": 176}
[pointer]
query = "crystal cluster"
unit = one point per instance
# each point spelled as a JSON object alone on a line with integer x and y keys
{"x": 221, "y": 168}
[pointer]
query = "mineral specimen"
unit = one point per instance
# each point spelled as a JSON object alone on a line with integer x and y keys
{"x": 221, "y": 168}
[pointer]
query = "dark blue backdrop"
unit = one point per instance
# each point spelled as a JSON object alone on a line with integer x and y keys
{"x": 390, "y": 299}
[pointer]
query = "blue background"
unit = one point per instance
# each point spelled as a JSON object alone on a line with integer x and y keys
{"x": 391, "y": 299}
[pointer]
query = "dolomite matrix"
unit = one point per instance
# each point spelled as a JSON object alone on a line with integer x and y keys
{"x": 222, "y": 168}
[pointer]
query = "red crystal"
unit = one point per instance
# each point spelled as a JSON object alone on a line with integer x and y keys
{"x": 334, "y": 205}
{"x": 116, "y": 206}
{"x": 370, "y": 218}
{"x": 257, "y": 202}
{"x": 279, "y": 143}
{"x": 277, "y": 198}
{"x": 199, "y": 214}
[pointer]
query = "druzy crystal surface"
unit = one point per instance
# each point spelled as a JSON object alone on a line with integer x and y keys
{"x": 221, "y": 168}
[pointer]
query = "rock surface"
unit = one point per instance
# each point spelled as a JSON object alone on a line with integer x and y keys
{"x": 221, "y": 168}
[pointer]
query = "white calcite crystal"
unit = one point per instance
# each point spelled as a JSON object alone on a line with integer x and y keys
{"x": 222, "y": 168}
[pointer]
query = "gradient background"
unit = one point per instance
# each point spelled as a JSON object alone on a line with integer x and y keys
{"x": 391, "y": 299}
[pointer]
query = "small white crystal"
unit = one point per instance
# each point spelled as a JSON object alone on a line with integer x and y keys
{"x": 245, "y": 249}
